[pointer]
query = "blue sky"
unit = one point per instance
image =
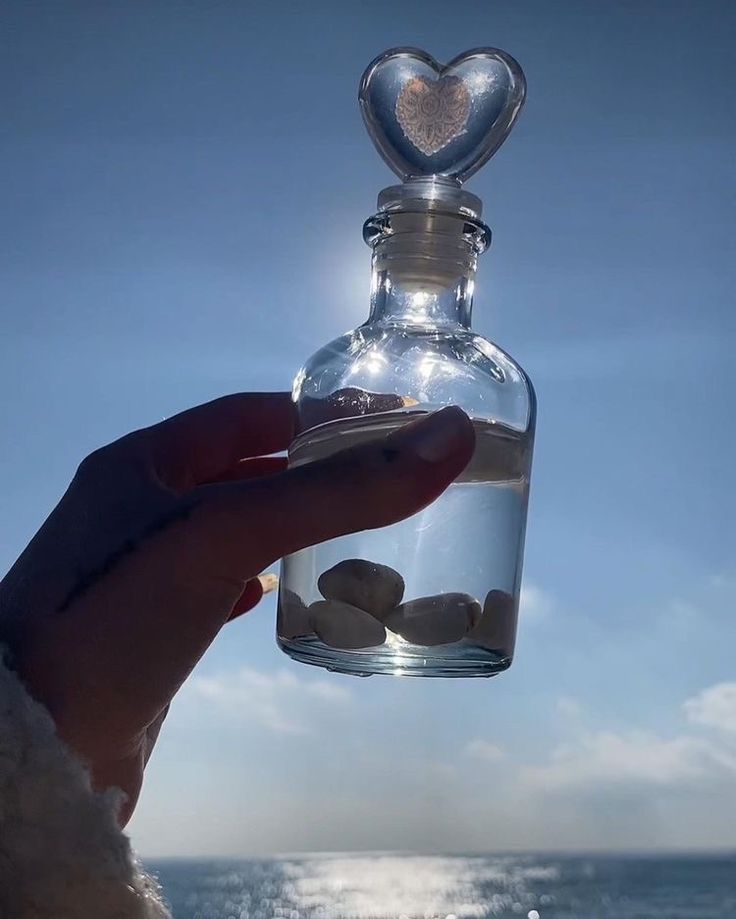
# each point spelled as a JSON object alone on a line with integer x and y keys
{"x": 185, "y": 185}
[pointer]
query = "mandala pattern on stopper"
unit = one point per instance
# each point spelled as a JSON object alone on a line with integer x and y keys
{"x": 432, "y": 113}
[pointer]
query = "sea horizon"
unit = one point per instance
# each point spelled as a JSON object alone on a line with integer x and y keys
{"x": 665, "y": 852}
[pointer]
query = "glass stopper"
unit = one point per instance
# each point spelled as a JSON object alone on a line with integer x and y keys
{"x": 435, "y": 125}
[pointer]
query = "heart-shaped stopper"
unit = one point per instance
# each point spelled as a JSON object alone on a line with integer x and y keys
{"x": 427, "y": 119}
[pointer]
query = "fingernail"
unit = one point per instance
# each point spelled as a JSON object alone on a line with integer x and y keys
{"x": 437, "y": 438}
{"x": 269, "y": 582}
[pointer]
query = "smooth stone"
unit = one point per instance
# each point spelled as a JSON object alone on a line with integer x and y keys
{"x": 294, "y": 621}
{"x": 340, "y": 625}
{"x": 497, "y": 627}
{"x": 438, "y": 620}
{"x": 375, "y": 588}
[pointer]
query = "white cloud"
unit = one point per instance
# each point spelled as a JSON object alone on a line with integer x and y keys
{"x": 534, "y": 602}
{"x": 603, "y": 760}
{"x": 723, "y": 581}
{"x": 569, "y": 708}
{"x": 608, "y": 758}
{"x": 714, "y": 707}
{"x": 279, "y": 701}
{"x": 603, "y": 788}
{"x": 485, "y": 750}
{"x": 682, "y": 613}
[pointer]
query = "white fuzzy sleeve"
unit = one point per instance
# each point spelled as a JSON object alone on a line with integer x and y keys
{"x": 62, "y": 855}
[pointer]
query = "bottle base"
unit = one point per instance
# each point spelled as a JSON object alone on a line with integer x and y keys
{"x": 459, "y": 660}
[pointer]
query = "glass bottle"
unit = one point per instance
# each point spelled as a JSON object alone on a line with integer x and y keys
{"x": 436, "y": 594}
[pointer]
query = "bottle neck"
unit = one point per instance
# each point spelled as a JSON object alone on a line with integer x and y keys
{"x": 423, "y": 268}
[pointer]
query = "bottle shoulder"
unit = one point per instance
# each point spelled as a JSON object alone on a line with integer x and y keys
{"x": 384, "y": 367}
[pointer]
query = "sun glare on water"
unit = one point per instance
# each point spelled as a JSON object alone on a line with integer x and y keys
{"x": 412, "y": 887}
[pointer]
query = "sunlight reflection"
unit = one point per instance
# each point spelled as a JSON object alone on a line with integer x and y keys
{"x": 480, "y": 82}
{"x": 393, "y": 640}
{"x": 414, "y": 887}
{"x": 429, "y": 365}
{"x": 372, "y": 362}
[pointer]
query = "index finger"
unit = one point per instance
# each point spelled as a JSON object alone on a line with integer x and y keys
{"x": 201, "y": 443}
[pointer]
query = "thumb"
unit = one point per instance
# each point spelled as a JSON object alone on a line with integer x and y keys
{"x": 247, "y": 526}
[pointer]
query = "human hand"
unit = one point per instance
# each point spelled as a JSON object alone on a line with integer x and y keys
{"x": 158, "y": 543}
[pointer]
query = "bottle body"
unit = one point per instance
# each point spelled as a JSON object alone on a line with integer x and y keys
{"x": 435, "y": 594}
{"x": 447, "y": 578}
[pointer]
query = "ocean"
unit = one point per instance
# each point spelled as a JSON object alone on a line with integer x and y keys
{"x": 393, "y": 886}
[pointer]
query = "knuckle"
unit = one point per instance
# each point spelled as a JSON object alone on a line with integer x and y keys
{"x": 109, "y": 458}
{"x": 94, "y": 463}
